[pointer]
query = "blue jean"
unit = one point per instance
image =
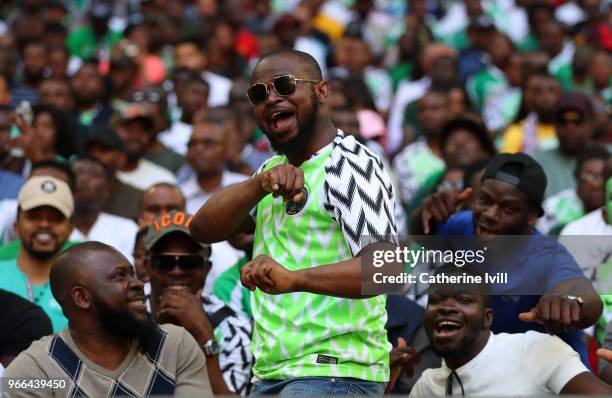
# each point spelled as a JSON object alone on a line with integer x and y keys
{"x": 319, "y": 387}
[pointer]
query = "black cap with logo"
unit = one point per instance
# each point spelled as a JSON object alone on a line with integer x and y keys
{"x": 522, "y": 171}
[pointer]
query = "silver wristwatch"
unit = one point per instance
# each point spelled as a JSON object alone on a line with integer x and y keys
{"x": 210, "y": 348}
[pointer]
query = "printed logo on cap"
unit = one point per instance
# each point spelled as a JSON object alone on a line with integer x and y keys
{"x": 178, "y": 219}
{"x": 48, "y": 187}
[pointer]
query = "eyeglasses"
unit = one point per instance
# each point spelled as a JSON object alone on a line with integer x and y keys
{"x": 284, "y": 85}
{"x": 167, "y": 262}
{"x": 150, "y": 96}
{"x": 590, "y": 178}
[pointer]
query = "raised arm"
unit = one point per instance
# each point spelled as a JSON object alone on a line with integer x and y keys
{"x": 572, "y": 303}
{"x": 227, "y": 212}
{"x": 436, "y": 209}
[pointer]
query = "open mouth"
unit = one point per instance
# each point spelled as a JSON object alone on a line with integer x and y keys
{"x": 281, "y": 120}
{"x": 43, "y": 237}
{"x": 484, "y": 231}
{"x": 137, "y": 303}
{"x": 447, "y": 328}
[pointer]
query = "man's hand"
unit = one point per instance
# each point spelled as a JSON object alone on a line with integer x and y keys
{"x": 401, "y": 357}
{"x": 266, "y": 274}
{"x": 555, "y": 311}
{"x": 605, "y": 354}
{"x": 442, "y": 205}
{"x": 27, "y": 140}
{"x": 183, "y": 308}
{"x": 283, "y": 180}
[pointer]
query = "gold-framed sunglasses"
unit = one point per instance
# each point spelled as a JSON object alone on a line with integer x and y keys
{"x": 284, "y": 85}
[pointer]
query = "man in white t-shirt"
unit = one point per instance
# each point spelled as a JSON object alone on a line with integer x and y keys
{"x": 207, "y": 155}
{"x": 134, "y": 129}
{"x": 90, "y": 222}
{"x": 479, "y": 362}
{"x": 589, "y": 238}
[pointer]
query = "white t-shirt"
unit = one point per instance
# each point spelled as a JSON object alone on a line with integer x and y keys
{"x": 407, "y": 92}
{"x": 522, "y": 364}
{"x": 8, "y": 215}
{"x": 177, "y": 137}
{"x": 115, "y": 231}
{"x": 146, "y": 174}
{"x": 196, "y": 197}
{"x": 219, "y": 89}
{"x": 589, "y": 240}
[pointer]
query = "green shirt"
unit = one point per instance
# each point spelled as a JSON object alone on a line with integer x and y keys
{"x": 559, "y": 210}
{"x": 482, "y": 84}
{"x": 10, "y": 251}
{"x": 413, "y": 166}
{"x": 230, "y": 290}
{"x": 529, "y": 44}
{"x": 346, "y": 185}
{"x": 399, "y": 72}
{"x": 13, "y": 280}
{"x": 83, "y": 43}
{"x": 559, "y": 170}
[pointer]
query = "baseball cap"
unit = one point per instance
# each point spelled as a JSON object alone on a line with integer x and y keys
{"x": 572, "y": 107}
{"x": 521, "y": 171}
{"x": 135, "y": 111}
{"x": 175, "y": 221}
{"x": 46, "y": 191}
{"x": 104, "y": 136}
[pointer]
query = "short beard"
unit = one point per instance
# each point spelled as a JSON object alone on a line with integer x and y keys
{"x": 39, "y": 254}
{"x": 122, "y": 323}
{"x": 305, "y": 131}
{"x": 465, "y": 346}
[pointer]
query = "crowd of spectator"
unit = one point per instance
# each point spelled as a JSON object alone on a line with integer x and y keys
{"x": 121, "y": 119}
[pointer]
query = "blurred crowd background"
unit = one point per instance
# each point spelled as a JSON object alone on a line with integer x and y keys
{"x": 140, "y": 104}
{"x": 125, "y": 82}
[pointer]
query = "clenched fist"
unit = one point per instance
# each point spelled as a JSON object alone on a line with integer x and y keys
{"x": 284, "y": 180}
{"x": 266, "y": 274}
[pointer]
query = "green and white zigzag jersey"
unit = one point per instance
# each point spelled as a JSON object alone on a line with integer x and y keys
{"x": 349, "y": 196}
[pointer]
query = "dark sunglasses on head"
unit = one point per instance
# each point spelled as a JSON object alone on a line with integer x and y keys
{"x": 284, "y": 85}
{"x": 167, "y": 262}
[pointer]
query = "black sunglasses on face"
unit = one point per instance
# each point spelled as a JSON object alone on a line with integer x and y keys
{"x": 167, "y": 262}
{"x": 284, "y": 85}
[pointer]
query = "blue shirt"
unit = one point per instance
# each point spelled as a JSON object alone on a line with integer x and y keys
{"x": 539, "y": 266}
{"x": 10, "y": 184}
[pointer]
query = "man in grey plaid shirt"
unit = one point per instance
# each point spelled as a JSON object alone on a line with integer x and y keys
{"x": 110, "y": 347}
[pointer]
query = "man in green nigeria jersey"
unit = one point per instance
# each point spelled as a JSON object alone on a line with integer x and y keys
{"x": 315, "y": 333}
